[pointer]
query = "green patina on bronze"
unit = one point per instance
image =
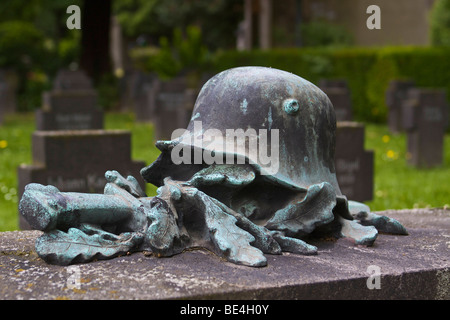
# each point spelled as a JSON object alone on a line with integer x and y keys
{"x": 239, "y": 211}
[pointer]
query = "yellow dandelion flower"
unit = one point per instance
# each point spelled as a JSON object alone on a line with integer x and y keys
{"x": 386, "y": 138}
{"x": 390, "y": 154}
{"x": 119, "y": 73}
{"x": 3, "y": 144}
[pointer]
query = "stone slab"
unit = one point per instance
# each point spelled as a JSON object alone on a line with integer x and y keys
{"x": 7, "y": 100}
{"x": 426, "y": 117}
{"x": 71, "y": 80}
{"x": 8, "y": 88}
{"x": 412, "y": 267}
{"x": 69, "y": 110}
{"x": 76, "y": 161}
{"x": 396, "y": 94}
{"x": 69, "y": 150}
{"x": 339, "y": 94}
{"x": 354, "y": 164}
{"x": 70, "y": 105}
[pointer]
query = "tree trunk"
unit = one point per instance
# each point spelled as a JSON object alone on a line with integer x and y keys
{"x": 95, "y": 25}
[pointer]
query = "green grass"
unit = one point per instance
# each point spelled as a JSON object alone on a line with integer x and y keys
{"x": 397, "y": 185}
{"x": 15, "y": 148}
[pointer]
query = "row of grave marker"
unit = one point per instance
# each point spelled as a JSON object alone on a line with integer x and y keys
{"x": 70, "y": 148}
{"x": 423, "y": 114}
{"x": 7, "y": 94}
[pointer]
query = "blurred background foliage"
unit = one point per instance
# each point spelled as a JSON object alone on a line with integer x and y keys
{"x": 148, "y": 20}
{"x": 196, "y": 37}
{"x": 35, "y": 43}
{"x": 171, "y": 37}
{"x": 440, "y": 23}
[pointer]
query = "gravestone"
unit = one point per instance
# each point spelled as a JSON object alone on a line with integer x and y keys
{"x": 354, "y": 165}
{"x": 168, "y": 104}
{"x": 70, "y": 148}
{"x": 71, "y": 105}
{"x": 143, "y": 90}
{"x": 425, "y": 118}
{"x": 136, "y": 84}
{"x": 7, "y": 94}
{"x": 396, "y": 94}
{"x": 76, "y": 161}
{"x": 339, "y": 94}
{"x": 3, "y": 101}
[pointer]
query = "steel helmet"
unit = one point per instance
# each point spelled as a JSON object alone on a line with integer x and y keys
{"x": 266, "y": 100}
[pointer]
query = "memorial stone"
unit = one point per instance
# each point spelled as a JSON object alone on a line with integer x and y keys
{"x": 396, "y": 94}
{"x": 7, "y": 95}
{"x": 168, "y": 104}
{"x": 144, "y": 91}
{"x": 2, "y": 101}
{"x": 76, "y": 161}
{"x": 425, "y": 118}
{"x": 354, "y": 165}
{"x": 136, "y": 84}
{"x": 339, "y": 94}
{"x": 70, "y": 149}
{"x": 71, "y": 105}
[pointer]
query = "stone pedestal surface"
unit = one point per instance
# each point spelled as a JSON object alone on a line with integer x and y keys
{"x": 416, "y": 266}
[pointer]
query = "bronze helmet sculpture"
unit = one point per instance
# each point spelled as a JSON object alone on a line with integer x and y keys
{"x": 228, "y": 195}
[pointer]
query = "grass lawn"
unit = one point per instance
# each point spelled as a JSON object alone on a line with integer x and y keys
{"x": 400, "y": 186}
{"x": 397, "y": 185}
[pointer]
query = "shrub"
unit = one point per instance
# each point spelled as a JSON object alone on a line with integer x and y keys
{"x": 185, "y": 54}
{"x": 21, "y": 45}
{"x": 30, "y": 98}
{"x": 322, "y": 33}
{"x": 440, "y": 23}
{"x": 25, "y": 51}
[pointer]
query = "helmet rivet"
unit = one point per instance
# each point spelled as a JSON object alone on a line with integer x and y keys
{"x": 291, "y": 106}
